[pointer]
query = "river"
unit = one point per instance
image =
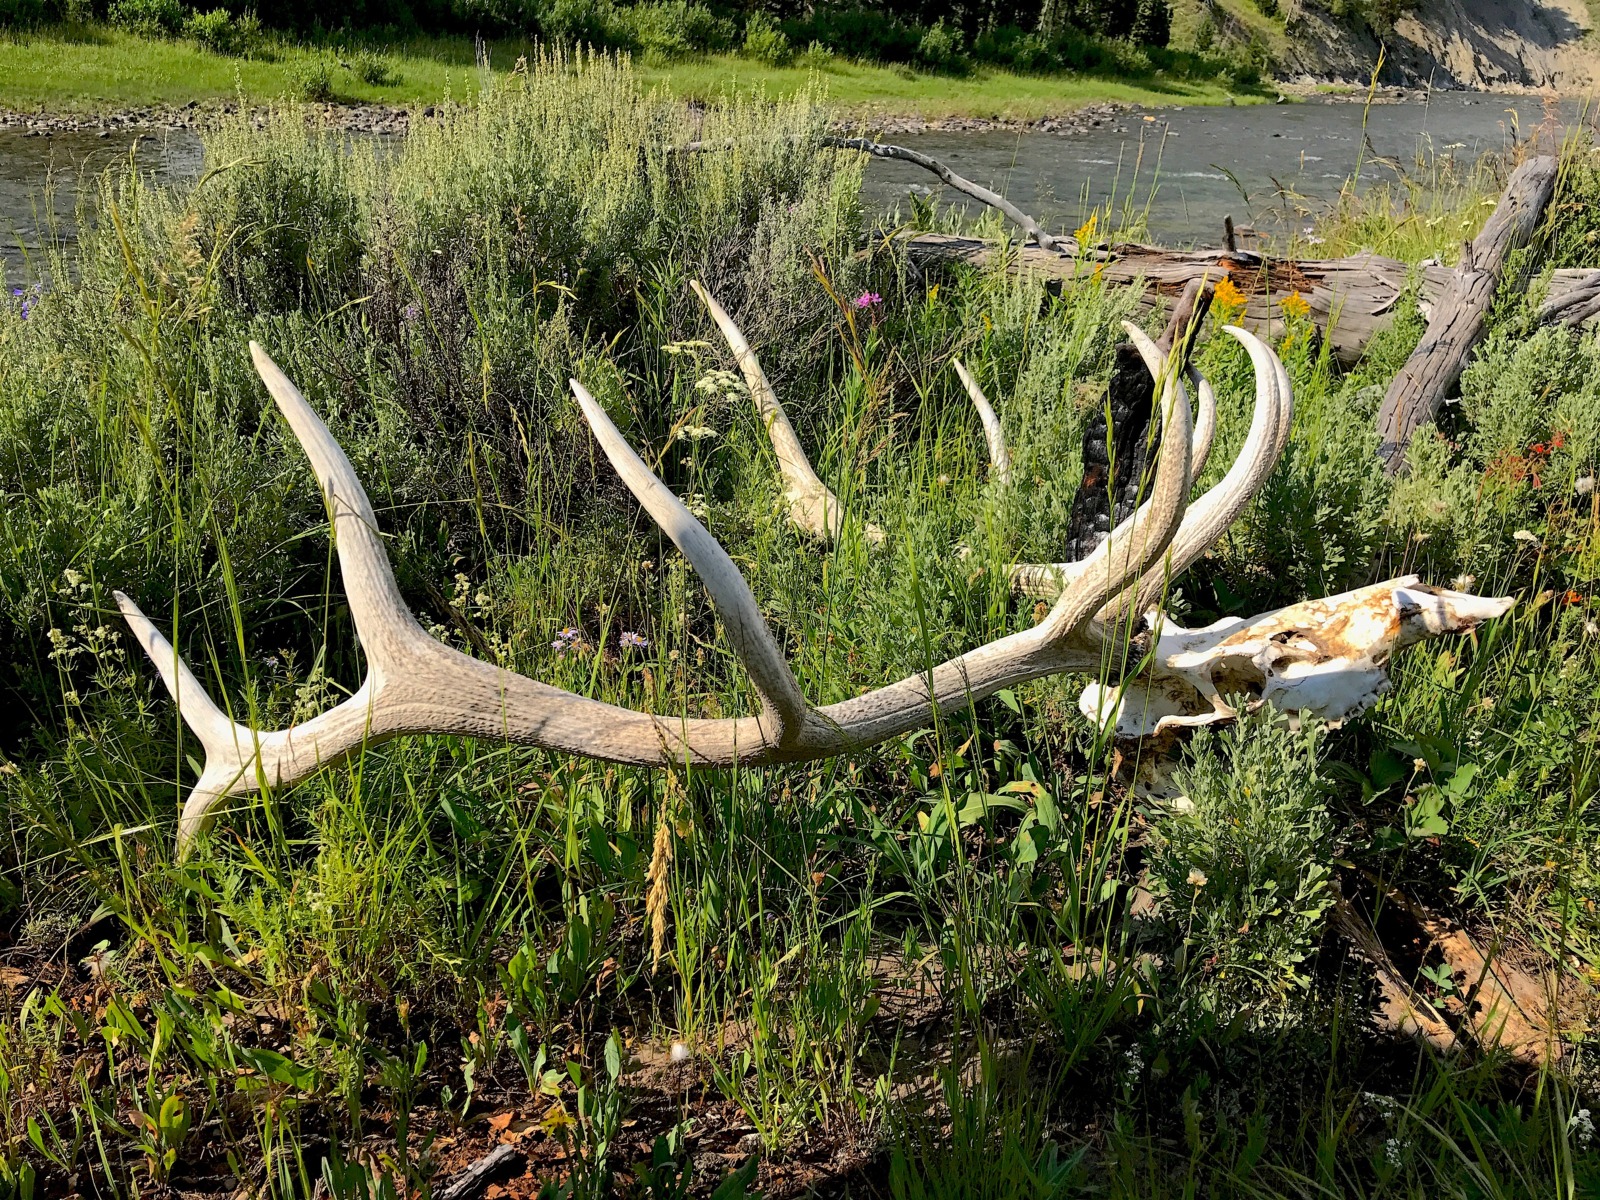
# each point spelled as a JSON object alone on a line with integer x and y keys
{"x": 1176, "y": 170}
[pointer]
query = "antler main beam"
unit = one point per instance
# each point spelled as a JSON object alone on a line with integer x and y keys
{"x": 415, "y": 684}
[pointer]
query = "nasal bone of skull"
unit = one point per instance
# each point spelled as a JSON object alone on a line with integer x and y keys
{"x": 1428, "y": 612}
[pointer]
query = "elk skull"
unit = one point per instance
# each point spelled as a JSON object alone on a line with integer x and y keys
{"x": 1327, "y": 657}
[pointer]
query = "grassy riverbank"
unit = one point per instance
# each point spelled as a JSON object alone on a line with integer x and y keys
{"x": 95, "y": 68}
{"x": 966, "y": 963}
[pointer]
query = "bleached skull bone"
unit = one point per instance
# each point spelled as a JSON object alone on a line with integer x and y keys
{"x": 1328, "y": 657}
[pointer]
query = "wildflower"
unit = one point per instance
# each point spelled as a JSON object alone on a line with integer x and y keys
{"x": 1581, "y": 1126}
{"x": 1084, "y": 234}
{"x": 557, "y": 1120}
{"x": 1294, "y": 305}
{"x": 99, "y": 961}
{"x": 1227, "y": 295}
{"x": 1571, "y": 598}
{"x": 568, "y": 634}
{"x": 696, "y": 433}
{"x": 1419, "y": 765}
{"x": 1591, "y": 629}
{"x": 634, "y": 641}
{"x": 410, "y": 312}
{"x": 270, "y": 662}
{"x": 1132, "y": 1065}
{"x": 868, "y": 300}
{"x": 1584, "y": 486}
{"x": 1197, "y": 878}
{"x": 1394, "y": 1152}
{"x": 73, "y": 578}
{"x": 681, "y": 1053}
{"x": 725, "y": 382}
{"x": 1387, "y": 1106}
{"x": 1463, "y": 583}
{"x": 1313, "y": 241}
{"x": 1523, "y": 535}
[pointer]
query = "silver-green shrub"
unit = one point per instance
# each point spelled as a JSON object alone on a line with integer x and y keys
{"x": 1244, "y": 874}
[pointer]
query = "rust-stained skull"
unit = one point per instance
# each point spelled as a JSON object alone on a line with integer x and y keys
{"x": 1328, "y": 657}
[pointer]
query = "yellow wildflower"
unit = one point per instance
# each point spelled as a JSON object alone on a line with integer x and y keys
{"x": 1085, "y": 233}
{"x": 1294, "y": 305}
{"x": 1228, "y": 296}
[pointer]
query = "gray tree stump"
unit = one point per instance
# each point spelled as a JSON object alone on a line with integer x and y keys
{"x": 1459, "y": 317}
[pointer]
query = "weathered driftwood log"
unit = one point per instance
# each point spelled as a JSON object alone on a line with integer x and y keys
{"x": 1350, "y": 299}
{"x": 1573, "y": 304}
{"x": 1434, "y": 369}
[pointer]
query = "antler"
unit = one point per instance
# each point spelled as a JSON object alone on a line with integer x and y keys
{"x": 812, "y": 505}
{"x": 415, "y": 684}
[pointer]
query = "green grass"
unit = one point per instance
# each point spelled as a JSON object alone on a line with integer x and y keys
{"x": 927, "y": 969}
{"x": 91, "y": 69}
{"x": 864, "y": 88}
{"x": 87, "y": 70}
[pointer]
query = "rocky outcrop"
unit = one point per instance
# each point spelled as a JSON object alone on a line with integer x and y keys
{"x": 1481, "y": 44}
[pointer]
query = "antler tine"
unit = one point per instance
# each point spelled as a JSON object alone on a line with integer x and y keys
{"x": 999, "y": 455}
{"x": 1045, "y": 579}
{"x": 1205, "y": 422}
{"x": 1157, "y": 364}
{"x": 1211, "y": 515}
{"x": 383, "y": 621}
{"x": 216, "y": 731}
{"x": 1134, "y": 546}
{"x": 812, "y": 504}
{"x": 747, "y": 629}
{"x": 230, "y": 748}
{"x": 1285, "y": 406}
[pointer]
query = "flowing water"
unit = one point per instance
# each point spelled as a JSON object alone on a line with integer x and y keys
{"x": 1182, "y": 170}
{"x": 40, "y": 178}
{"x": 1178, "y": 171}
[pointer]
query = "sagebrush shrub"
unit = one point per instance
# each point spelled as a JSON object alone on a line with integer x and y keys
{"x": 1244, "y": 871}
{"x": 764, "y": 41}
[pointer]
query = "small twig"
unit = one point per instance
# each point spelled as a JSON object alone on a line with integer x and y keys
{"x": 1062, "y": 245}
{"x": 502, "y": 1159}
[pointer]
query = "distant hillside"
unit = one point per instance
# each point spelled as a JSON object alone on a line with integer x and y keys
{"x": 1489, "y": 44}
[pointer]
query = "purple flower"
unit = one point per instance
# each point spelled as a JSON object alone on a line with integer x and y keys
{"x": 868, "y": 300}
{"x": 410, "y": 312}
{"x": 568, "y": 634}
{"x": 634, "y": 641}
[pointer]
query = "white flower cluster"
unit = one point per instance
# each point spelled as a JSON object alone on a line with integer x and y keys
{"x": 721, "y": 382}
{"x": 1580, "y": 1127}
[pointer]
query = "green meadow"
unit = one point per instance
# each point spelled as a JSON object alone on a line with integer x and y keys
{"x": 967, "y": 962}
